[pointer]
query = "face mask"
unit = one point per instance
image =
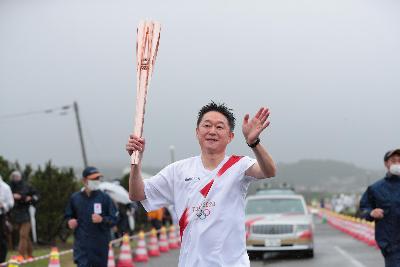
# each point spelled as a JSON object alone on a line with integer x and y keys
{"x": 395, "y": 169}
{"x": 93, "y": 185}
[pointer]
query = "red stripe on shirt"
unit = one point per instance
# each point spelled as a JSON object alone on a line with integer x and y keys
{"x": 206, "y": 188}
{"x": 232, "y": 160}
{"x": 183, "y": 221}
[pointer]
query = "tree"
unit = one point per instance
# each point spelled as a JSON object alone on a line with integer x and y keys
{"x": 5, "y": 168}
{"x": 55, "y": 187}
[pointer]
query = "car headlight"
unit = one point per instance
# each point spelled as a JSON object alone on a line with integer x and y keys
{"x": 302, "y": 227}
{"x": 304, "y": 231}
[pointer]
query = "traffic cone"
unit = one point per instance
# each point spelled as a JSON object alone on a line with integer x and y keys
{"x": 111, "y": 260}
{"x": 154, "y": 251}
{"x": 173, "y": 242}
{"x": 125, "y": 256}
{"x": 13, "y": 262}
{"x": 163, "y": 244}
{"x": 54, "y": 258}
{"x": 141, "y": 250}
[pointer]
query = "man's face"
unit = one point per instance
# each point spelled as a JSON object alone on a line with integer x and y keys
{"x": 214, "y": 133}
{"x": 395, "y": 159}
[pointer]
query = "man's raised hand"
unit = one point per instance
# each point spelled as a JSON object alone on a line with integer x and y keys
{"x": 253, "y": 127}
{"x": 135, "y": 144}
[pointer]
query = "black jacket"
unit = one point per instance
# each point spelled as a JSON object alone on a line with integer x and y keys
{"x": 20, "y": 212}
{"x": 384, "y": 194}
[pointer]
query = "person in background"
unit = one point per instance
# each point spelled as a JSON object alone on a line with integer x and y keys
{"x": 380, "y": 203}
{"x": 91, "y": 214}
{"x": 6, "y": 203}
{"x": 24, "y": 196}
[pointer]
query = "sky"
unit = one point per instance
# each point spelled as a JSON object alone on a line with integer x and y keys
{"x": 328, "y": 70}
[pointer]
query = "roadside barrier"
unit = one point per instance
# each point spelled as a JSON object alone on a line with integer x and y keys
{"x": 54, "y": 258}
{"x": 54, "y": 255}
{"x": 173, "y": 238}
{"x": 13, "y": 262}
{"x": 125, "y": 256}
{"x": 111, "y": 260}
{"x": 154, "y": 251}
{"x": 359, "y": 229}
{"x": 141, "y": 250}
{"x": 164, "y": 247}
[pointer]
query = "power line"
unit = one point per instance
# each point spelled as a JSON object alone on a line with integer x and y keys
{"x": 63, "y": 110}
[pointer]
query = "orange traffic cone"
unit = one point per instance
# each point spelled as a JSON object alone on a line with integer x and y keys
{"x": 125, "y": 256}
{"x": 54, "y": 258}
{"x": 173, "y": 240}
{"x": 13, "y": 262}
{"x": 141, "y": 251}
{"x": 163, "y": 240}
{"x": 153, "y": 244}
{"x": 111, "y": 260}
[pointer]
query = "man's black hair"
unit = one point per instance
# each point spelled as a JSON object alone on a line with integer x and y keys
{"x": 221, "y": 108}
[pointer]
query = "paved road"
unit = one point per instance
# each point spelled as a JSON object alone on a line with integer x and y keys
{"x": 332, "y": 249}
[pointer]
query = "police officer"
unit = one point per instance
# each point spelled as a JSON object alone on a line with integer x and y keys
{"x": 91, "y": 213}
{"x": 381, "y": 203}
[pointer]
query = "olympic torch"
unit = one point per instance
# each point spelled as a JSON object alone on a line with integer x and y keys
{"x": 148, "y": 37}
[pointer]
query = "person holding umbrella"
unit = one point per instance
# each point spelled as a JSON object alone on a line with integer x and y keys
{"x": 24, "y": 196}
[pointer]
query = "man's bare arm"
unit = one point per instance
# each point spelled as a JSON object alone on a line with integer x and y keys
{"x": 252, "y": 128}
{"x": 265, "y": 166}
{"x": 136, "y": 185}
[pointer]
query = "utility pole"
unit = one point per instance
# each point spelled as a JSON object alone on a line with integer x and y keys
{"x": 78, "y": 122}
{"x": 172, "y": 153}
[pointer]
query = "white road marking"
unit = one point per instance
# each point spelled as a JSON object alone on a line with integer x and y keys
{"x": 350, "y": 258}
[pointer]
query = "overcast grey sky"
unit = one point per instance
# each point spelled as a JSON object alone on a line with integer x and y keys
{"x": 328, "y": 70}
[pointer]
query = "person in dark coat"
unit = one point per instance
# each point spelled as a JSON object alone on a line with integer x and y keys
{"x": 91, "y": 214}
{"x": 24, "y": 196}
{"x": 381, "y": 203}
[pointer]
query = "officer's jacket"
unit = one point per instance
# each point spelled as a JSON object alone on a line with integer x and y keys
{"x": 384, "y": 194}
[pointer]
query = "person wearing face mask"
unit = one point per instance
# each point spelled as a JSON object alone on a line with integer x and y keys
{"x": 24, "y": 196}
{"x": 91, "y": 214}
{"x": 381, "y": 203}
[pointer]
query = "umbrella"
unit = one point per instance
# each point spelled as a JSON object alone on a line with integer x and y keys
{"x": 116, "y": 192}
{"x": 32, "y": 212}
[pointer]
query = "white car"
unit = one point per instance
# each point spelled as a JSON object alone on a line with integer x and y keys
{"x": 278, "y": 223}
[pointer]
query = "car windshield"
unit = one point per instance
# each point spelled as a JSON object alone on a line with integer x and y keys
{"x": 274, "y": 206}
{"x": 276, "y": 192}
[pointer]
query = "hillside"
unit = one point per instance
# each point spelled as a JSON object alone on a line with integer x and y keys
{"x": 323, "y": 175}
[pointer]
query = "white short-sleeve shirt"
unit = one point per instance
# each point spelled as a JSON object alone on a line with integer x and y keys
{"x": 210, "y": 209}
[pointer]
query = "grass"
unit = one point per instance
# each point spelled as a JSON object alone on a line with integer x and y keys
{"x": 66, "y": 260}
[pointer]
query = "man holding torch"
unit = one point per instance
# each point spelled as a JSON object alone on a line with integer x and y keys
{"x": 208, "y": 191}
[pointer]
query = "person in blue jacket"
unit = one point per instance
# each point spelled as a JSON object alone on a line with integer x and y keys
{"x": 381, "y": 203}
{"x": 91, "y": 214}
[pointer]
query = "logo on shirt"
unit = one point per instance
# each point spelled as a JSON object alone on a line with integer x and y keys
{"x": 204, "y": 209}
{"x": 188, "y": 179}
